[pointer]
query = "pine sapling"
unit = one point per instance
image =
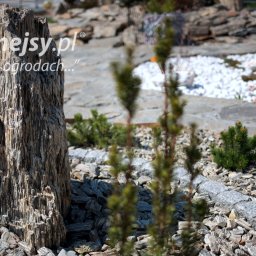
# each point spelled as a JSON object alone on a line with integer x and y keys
{"x": 195, "y": 210}
{"x": 164, "y": 163}
{"x": 123, "y": 201}
{"x": 163, "y": 201}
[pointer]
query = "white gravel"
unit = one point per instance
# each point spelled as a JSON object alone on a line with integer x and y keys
{"x": 205, "y": 76}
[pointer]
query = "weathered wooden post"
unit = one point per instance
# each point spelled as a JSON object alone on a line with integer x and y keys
{"x": 34, "y": 169}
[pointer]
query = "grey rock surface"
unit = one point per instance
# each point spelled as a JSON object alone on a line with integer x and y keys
{"x": 90, "y": 86}
{"x": 247, "y": 209}
{"x": 213, "y": 188}
{"x": 230, "y": 198}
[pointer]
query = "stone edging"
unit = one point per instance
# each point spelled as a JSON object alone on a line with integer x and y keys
{"x": 220, "y": 194}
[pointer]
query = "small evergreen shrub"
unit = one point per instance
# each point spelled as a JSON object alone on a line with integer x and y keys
{"x": 122, "y": 202}
{"x": 95, "y": 131}
{"x": 238, "y": 150}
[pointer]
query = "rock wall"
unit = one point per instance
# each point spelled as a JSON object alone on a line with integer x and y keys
{"x": 219, "y": 21}
{"x": 208, "y": 23}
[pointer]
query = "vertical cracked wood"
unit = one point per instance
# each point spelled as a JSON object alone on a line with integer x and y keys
{"x": 34, "y": 168}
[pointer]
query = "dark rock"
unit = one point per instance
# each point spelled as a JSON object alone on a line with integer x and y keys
{"x": 240, "y": 32}
{"x": 251, "y": 30}
{"x": 100, "y": 222}
{"x": 80, "y": 227}
{"x": 144, "y": 206}
{"x": 77, "y": 214}
{"x": 83, "y": 199}
{"x": 105, "y": 188}
{"x": 86, "y": 188}
{"x": 93, "y": 206}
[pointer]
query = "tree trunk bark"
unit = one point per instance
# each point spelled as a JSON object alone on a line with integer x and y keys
{"x": 34, "y": 168}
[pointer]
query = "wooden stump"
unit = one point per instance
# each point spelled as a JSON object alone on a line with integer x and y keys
{"x": 34, "y": 176}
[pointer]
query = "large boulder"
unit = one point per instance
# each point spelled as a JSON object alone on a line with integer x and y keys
{"x": 35, "y": 172}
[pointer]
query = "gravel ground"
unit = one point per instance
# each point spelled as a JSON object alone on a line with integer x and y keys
{"x": 223, "y": 232}
{"x": 244, "y": 182}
